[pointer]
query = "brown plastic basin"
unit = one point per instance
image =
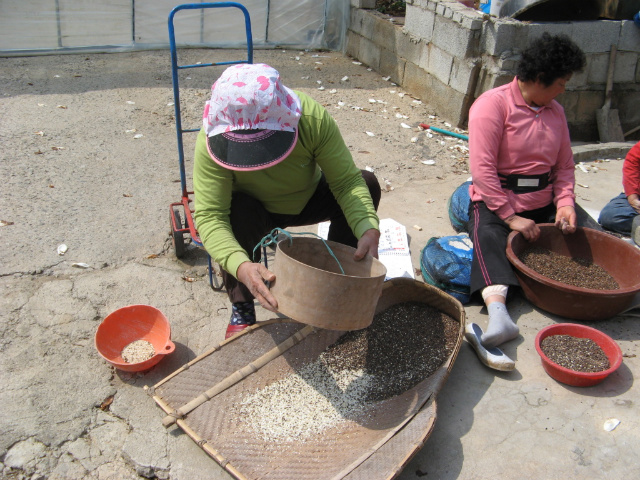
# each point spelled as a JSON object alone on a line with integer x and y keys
{"x": 619, "y": 258}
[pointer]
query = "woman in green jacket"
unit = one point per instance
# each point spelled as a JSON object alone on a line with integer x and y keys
{"x": 270, "y": 157}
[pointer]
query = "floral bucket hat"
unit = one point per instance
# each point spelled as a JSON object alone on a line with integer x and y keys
{"x": 252, "y": 118}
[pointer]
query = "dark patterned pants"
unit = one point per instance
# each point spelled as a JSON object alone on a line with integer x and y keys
{"x": 250, "y": 222}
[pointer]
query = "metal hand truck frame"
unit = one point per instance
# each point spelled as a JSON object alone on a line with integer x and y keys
{"x": 182, "y": 209}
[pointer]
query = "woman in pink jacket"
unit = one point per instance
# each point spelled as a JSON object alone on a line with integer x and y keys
{"x": 523, "y": 173}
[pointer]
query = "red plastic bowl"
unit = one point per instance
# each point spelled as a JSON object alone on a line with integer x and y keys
{"x": 572, "y": 377}
{"x": 128, "y": 324}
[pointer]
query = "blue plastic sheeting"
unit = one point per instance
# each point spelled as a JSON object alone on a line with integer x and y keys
{"x": 445, "y": 263}
{"x": 458, "y": 207}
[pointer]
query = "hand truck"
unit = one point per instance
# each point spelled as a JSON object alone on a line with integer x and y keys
{"x": 182, "y": 209}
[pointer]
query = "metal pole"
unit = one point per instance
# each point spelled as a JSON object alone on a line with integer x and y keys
{"x": 58, "y": 23}
{"x": 133, "y": 22}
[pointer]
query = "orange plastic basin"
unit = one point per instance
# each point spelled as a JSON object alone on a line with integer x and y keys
{"x": 131, "y": 323}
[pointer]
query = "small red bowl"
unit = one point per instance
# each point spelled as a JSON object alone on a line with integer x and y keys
{"x": 572, "y": 377}
{"x": 131, "y": 323}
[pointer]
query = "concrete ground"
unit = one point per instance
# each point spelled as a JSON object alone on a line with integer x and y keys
{"x": 66, "y": 414}
{"x": 524, "y": 424}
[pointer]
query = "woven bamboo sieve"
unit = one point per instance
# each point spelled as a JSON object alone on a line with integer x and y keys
{"x": 373, "y": 449}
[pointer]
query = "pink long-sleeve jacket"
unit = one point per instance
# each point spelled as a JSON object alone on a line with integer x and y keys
{"x": 506, "y": 136}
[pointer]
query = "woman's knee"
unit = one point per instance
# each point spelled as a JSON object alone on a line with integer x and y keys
{"x": 491, "y": 235}
{"x": 617, "y": 215}
{"x": 374, "y": 187}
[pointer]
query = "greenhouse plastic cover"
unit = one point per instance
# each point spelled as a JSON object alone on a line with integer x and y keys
{"x": 58, "y": 26}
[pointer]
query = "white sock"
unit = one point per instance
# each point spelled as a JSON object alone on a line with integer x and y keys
{"x": 501, "y": 327}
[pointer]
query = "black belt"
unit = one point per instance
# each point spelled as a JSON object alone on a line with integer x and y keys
{"x": 525, "y": 183}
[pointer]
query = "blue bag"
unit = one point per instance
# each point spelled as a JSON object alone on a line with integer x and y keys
{"x": 458, "y": 207}
{"x": 445, "y": 263}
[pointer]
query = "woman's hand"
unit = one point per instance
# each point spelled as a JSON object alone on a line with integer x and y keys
{"x": 253, "y": 275}
{"x": 634, "y": 201}
{"x": 526, "y": 227}
{"x": 566, "y": 220}
{"x": 368, "y": 243}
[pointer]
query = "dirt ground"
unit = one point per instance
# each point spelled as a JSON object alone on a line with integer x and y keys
{"x": 89, "y": 160}
{"x": 69, "y": 129}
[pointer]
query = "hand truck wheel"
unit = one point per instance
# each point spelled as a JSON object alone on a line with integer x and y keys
{"x": 179, "y": 244}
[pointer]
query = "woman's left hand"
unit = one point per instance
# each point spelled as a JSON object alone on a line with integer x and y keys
{"x": 368, "y": 244}
{"x": 634, "y": 201}
{"x": 566, "y": 220}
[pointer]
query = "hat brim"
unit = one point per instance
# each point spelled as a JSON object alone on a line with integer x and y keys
{"x": 246, "y": 150}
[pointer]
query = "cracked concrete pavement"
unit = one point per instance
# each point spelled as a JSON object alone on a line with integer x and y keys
{"x": 66, "y": 414}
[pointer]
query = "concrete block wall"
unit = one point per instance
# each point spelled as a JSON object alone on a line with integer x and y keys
{"x": 448, "y": 54}
{"x": 363, "y": 3}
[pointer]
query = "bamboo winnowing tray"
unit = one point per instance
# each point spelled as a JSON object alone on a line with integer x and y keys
{"x": 377, "y": 447}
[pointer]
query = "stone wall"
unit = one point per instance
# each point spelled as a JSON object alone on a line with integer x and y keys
{"x": 447, "y": 54}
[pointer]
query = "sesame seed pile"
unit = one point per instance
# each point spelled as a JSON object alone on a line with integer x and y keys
{"x": 578, "y": 354}
{"x": 138, "y": 351}
{"x": 305, "y": 403}
{"x": 404, "y": 345}
{"x": 577, "y": 272}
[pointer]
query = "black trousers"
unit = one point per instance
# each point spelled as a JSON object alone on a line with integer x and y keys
{"x": 250, "y": 222}
{"x": 490, "y": 265}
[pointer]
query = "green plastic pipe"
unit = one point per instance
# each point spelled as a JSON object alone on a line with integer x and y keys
{"x": 445, "y": 132}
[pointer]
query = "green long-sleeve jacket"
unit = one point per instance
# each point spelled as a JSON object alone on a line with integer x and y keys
{"x": 284, "y": 188}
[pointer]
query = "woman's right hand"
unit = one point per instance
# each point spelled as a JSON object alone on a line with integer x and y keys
{"x": 526, "y": 227}
{"x": 634, "y": 201}
{"x": 253, "y": 275}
